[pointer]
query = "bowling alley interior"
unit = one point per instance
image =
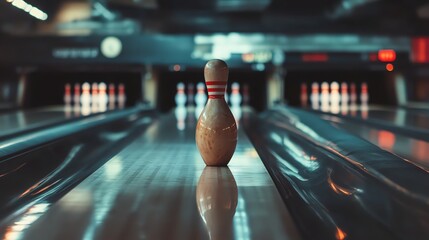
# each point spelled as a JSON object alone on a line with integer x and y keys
{"x": 217, "y": 119}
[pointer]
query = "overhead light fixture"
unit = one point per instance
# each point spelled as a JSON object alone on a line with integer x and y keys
{"x": 33, "y": 11}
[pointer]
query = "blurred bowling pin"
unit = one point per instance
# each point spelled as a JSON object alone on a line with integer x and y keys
{"x": 235, "y": 101}
{"x": 344, "y": 99}
{"x": 180, "y": 97}
{"x": 324, "y": 97}
{"x": 76, "y": 94}
{"x": 235, "y": 95}
{"x": 67, "y": 100}
{"x": 85, "y": 99}
{"x": 200, "y": 99}
{"x": 314, "y": 98}
{"x": 364, "y": 100}
{"x": 180, "y": 113}
{"x": 122, "y": 98}
{"x": 335, "y": 98}
{"x": 67, "y": 94}
{"x": 364, "y": 97}
{"x": 102, "y": 97}
{"x": 304, "y": 95}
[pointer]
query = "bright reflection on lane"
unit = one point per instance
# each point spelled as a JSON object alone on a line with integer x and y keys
{"x": 296, "y": 152}
{"x": 15, "y": 231}
{"x": 241, "y": 224}
{"x": 113, "y": 168}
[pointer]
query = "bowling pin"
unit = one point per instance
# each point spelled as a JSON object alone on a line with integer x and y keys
{"x": 235, "y": 98}
{"x": 122, "y": 98}
{"x": 200, "y": 99}
{"x": 364, "y": 97}
{"x": 180, "y": 97}
{"x": 216, "y": 131}
{"x": 334, "y": 98}
{"x": 314, "y": 96}
{"x": 344, "y": 98}
{"x": 76, "y": 94}
{"x": 85, "y": 99}
{"x": 304, "y": 96}
{"x": 67, "y": 94}
{"x": 102, "y": 97}
{"x": 324, "y": 97}
{"x": 67, "y": 100}
{"x": 180, "y": 113}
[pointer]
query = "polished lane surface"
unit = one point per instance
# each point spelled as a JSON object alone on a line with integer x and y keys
{"x": 159, "y": 188}
{"x": 410, "y": 149}
{"x": 398, "y": 117}
{"x": 22, "y": 120}
{"x": 340, "y": 186}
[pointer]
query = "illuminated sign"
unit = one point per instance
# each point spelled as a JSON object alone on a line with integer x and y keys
{"x": 386, "y": 55}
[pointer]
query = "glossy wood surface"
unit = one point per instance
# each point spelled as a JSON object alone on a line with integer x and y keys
{"x": 158, "y": 187}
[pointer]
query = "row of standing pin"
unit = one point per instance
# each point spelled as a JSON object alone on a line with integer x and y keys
{"x": 198, "y": 101}
{"x": 94, "y": 98}
{"x": 333, "y": 98}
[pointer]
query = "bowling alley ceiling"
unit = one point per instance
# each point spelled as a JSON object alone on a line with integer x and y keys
{"x": 194, "y": 16}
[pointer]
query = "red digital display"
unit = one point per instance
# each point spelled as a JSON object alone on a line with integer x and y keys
{"x": 386, "y": 55}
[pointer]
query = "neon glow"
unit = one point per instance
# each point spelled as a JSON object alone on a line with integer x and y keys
{"x": 33, "y": 11}
{"x": 386, "y": 55}
{"x": 420, "y": 50}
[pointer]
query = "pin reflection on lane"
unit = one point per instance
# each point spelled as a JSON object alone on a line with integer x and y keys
{"x": 217, "y": 197}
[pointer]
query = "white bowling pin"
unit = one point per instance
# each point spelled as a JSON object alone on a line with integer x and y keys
{"x": 103, "y": 99}
{"x": 180, "y": 97}
{"x": 324, "y": 97}
{"x": 314, "y": 98}
{"x": 235, "y": 98}
{"x": 335, "y": 98}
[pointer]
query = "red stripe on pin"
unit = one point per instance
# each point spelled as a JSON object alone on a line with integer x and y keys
{"x": 208, "y": 83}
{"x": 216, "y": 90}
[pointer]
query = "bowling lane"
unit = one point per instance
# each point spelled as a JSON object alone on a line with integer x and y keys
{"x": 413, "y": 123}
{"x": 14, "y": 122}
{"x": 159, "y": 188}
{"x": 400, "y": 117}
{"x": 339, "y": 184}
{"x": 410, "y": 149}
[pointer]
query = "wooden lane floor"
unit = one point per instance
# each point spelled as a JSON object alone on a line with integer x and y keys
{"x": 158, "y": 187}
